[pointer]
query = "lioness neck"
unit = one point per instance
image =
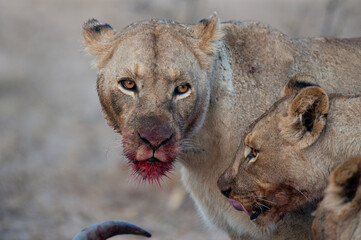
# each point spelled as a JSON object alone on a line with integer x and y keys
{"x": 214, "y": 147}
{"x": 341, "y": 138}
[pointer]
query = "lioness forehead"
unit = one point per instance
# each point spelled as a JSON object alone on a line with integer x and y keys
{"x": 151, "y": 51}
{"x": 152, "y": 23}
{"x": 142, "y": 70}
{"x": 279, "y": 107}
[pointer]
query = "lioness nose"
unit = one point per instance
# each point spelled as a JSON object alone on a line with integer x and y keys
{"x": 154, "y": 131}
{"x": 227, "y": 192}
{"x": 155, "y": 142}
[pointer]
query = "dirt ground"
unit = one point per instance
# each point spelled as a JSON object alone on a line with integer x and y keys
{"x": 61, "y": 166}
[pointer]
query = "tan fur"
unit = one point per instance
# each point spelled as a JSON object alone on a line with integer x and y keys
{"x": 296, "y": 148}
{"x": 293, "y": 85}
{"x": 234, "y": 79}
{"x": 100, "y": 41}
{"x": 290, "y": 126}
{"x": 339, "y": 213}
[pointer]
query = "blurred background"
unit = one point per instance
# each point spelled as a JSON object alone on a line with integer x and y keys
{"x": 61, "y": 166}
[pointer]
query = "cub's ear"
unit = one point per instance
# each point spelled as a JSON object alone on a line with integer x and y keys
{"x": 346, "y": 180}
{"x": 208, "y": 34}
{"x": 341, "y": 204}
{"x": 297, "y": 83}
{"x": 98, "y": 38}
{"x": 306, "y": 117}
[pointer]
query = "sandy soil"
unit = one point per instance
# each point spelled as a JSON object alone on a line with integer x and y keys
{"x": 61, "y": 166}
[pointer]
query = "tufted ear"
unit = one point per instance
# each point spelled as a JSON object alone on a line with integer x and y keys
{"x": 208, "y": 34}
{"x": 98, "y": 38}
{"x": 347, "y": 179}
{"x": 306, "y": 117}
{"x": 298, "y": 82}
{"x": 340, "y": 210}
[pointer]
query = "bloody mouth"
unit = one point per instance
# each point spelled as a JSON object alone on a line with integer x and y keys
{"x": 151, "y": 170}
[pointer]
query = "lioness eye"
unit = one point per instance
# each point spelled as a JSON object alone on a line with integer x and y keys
{"x": 128, "y": 84}
{"x": 252, "y": 154}
{"x": 181, "y": 89}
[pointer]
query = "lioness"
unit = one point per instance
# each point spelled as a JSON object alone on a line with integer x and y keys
{"x": 339, "y": 213}
{"x": 287, "y": 154}
{"x": 187, "y": 92}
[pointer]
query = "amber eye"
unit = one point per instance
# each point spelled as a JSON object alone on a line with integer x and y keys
{"x": 252, "y": 154}
{"x": 128, "y": 84}
{"x": 181, "y": 89}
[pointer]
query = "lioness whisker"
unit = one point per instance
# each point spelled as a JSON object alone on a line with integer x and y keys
{"x": 269, "y": 201}
{"x": 189, "y": 141}
{"x": 260, "y": 196}
{"x": 260, "y": 204}
{"x": 309, "y": 200}
{"x": 188, "y": 147}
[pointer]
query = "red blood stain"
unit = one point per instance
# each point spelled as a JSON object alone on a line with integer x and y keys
{"x": 151, "y": 171}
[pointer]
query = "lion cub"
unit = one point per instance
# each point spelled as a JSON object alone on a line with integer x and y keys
{"x": 338, "y": 215}
{"x": 286, "y": 155}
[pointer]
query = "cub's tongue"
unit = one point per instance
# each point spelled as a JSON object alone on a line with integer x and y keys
{"x": 238, "y": 206}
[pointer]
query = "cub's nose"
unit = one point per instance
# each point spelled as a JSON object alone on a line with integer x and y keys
{"x": 227, "y": 192}
{"x": 224, "y": 184}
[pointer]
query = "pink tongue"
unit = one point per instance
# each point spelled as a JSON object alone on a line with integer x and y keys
{"x": 238, "y": 206}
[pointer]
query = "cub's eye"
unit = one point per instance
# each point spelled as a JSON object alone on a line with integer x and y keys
{"x": 128, "y": 84}
{"x": 252, "y": 155}
{"x": 182, "y": 89}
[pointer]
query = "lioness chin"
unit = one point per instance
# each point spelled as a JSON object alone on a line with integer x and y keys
{"x": 186, "y": 93}
{"x": 287, "y": 154}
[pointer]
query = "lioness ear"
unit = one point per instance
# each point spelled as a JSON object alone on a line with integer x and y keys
{"x": 347, "y": 179}
{"x": 208, "y": 32}
{"x": 306, "y": 116}
{"x": 297, "y": 83}
{"x": 98, "y": 38}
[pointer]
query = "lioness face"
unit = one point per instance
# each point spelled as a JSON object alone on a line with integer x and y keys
{"x": 157, "y": 98}
{"x": 271, "y": 174}
{"x": 153, "y": 88}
